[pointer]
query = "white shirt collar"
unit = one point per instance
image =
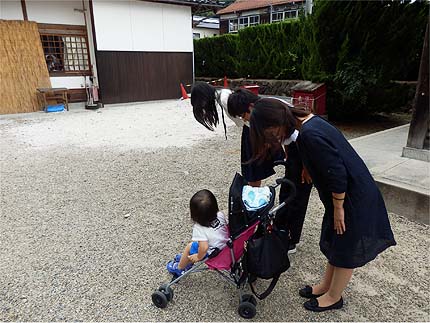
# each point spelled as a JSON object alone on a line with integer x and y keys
{"x": 291, "y": 139}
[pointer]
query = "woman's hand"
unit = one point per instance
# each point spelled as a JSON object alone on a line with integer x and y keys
{"x": 339, "y": 219}
{"x": 306, "y": 178}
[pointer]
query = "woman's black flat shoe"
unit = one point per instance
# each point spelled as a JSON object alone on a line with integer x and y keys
{"x": 306, "y": 292}
{"x": 312, "y": 305}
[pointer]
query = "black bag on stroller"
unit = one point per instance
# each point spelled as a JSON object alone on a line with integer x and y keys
{"x": 266, "y": 256}
{"x": 266, "y": 252}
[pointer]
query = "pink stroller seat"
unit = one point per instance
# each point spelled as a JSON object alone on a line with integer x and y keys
{"x": 224, "y": 261}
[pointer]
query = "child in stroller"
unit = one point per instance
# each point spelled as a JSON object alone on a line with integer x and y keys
{"x": 227, "y": 261}
{"x": 210, "y": 232}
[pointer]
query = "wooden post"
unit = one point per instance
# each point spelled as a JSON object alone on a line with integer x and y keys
{"x": 24, "y": 10}
{"x": 418, "y": 137}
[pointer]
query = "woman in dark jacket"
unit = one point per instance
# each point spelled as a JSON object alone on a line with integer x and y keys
{"x": 206, "y": 101}
{"x": 355, "y": 227}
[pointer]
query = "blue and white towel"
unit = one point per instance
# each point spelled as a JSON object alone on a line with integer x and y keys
{"x": 255, "y": 198}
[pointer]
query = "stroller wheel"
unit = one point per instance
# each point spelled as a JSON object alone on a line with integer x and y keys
{"x": 247, "y": 310}
{"x": 249, "y": 298}
{"x": 159, "y": 299}
{"x": 166, "y": 290}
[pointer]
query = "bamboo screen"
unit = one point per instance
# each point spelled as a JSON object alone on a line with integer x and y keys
{"x": 22, "y": 67}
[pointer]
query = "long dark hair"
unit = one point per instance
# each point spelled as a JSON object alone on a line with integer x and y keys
{"x": 272, "y": 113}
{"x": 203, "y": 99}
{"x": 204, "y": 208}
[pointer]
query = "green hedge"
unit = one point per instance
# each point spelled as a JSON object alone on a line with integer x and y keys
{"x": 353, "y": 46}
{"x": 217, "y": 56}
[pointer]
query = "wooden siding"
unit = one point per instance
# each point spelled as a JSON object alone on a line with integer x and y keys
{"x": 142, "y": 76}
{"x": 77, "y": 95}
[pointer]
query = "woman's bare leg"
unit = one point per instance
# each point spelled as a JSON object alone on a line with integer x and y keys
{"x": 339, "y": 281}
{"x": 324, "y": 285}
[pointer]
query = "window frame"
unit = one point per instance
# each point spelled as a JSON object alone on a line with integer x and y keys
{"x": 233, "y": 22}
{"x": 296, "y": 11}
{"x": 243, "y": 24}
{"x": 67, "y": 31}
{"x": 284, "y": 14}
{"x": 254, "y": 23}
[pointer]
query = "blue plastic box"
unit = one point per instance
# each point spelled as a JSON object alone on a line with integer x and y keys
{"x": 55, "y": 108}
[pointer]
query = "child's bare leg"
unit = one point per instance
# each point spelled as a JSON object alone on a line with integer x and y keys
{"x": 324, "y": 285}
{"x": 184, "y": 258}
{"x": 340, "y": 279}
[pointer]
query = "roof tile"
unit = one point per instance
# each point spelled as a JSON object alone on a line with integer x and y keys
{"x": 241, "y": 5}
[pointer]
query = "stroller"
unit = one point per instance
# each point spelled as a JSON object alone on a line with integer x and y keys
{"x": 228, "y": 261}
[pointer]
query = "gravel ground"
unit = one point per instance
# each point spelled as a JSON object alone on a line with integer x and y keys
{"x": 88, "y": 223}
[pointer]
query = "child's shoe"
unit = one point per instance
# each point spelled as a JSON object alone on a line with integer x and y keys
{"x": 172, "y": 267}
{"x": 177, "y": 257}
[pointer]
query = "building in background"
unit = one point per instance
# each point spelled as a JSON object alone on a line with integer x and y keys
{"x": 245, "y": 13}
{"x": 205, "y": 27}
{"x": 133, "y": 50}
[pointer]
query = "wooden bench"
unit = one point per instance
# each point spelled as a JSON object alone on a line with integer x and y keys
{"x": 59, "y": 94}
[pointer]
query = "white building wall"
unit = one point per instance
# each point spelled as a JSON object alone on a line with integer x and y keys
{"x": 206, "y": 32}
{"x": 55, "y": 12}
{"x": 11, "y": 10}
{"x": 177, "y": 28}
{"x": 147, "y": 27}
{"x": 132, "y": 25}
{"x": 70, "y": 82}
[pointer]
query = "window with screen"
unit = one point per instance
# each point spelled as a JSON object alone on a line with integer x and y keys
{"x": 277, "y": 16}
{"x": 65, "y": 49}
{"x": 232, "y": 25}
{"x": 254, "y": 20}
{"x": 283, "y": 15}
{"x": 243, "y": 22}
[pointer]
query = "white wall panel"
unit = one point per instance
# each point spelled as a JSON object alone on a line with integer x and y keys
{"x": 112, "y": 25}
{"x": 70, "y": 82}
{"x": 206, "y": 32}
{"x": 177, "y": 29}
{"x": 142, "y": 26}
{"x": 55, "y": 12}
{"x": 147, "y": 26}
{"x": 11, "y": 10}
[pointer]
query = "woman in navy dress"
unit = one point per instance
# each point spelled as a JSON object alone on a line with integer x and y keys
{"x": 355, "y": 227}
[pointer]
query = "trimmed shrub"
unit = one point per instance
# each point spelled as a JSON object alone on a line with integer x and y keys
{"x": 217, "y": 56}
{"x": 356, "y": 47}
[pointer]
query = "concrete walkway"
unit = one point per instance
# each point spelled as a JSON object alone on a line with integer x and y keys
{"x": 404, "y": 182}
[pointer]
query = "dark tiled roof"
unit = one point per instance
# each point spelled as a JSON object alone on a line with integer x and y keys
{"x": 242, "y": 5}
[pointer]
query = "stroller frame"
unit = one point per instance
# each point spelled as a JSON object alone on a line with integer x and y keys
{"x": 234, "y": 276}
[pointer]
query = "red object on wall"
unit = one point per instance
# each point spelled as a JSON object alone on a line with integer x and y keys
{"x": 311, "y": 95}
{"x": 253, "y": 88}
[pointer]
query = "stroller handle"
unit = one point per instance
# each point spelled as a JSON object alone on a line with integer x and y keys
{"x": 291, "y": 188}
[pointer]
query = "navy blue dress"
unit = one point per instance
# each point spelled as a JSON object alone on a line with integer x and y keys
{"x": 335, "y": 167}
